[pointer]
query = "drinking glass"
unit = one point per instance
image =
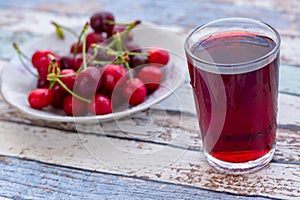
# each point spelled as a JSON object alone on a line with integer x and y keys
{"x": 233, "y": 65}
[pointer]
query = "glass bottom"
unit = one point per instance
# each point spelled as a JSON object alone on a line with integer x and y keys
{"x": 240, "y": 168}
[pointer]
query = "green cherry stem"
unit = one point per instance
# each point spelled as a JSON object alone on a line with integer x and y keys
{"x": 84, "y": 46}
{"x": 96, "y": 62}
{"x": 59, "y": 30}
{"x": 85, "y": 27}
{"x": 73, "y": 93}
{"x": 52, "y": 77}
{"x": 129, "y": 71}
{"x": 16, "y": 47}
{"x": 21, "y": 55}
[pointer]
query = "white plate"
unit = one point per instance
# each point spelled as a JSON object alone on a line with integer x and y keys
{"x": 17, "y": 82}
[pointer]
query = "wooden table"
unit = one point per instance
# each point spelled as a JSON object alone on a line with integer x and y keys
{"x": 155, "y": 154}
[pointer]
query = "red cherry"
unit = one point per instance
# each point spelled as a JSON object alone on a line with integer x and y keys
{"x": 40, "y": 98}
{"x": 79, "y": 49}
{"x": 100, "y": 105}
{"x": 40, "y": 54}
{"x": 42, "y": 66}
{"x": 74, "y": 107}
{"x": 59, "y": 93}
{"x": 70, "y": 79}
{"x": 159, "y": 56}
{"x": 93, "y": 38}
{"x": 111, "y": 75}
{"x": 78, "y": 60}
{"x": 135, "y": 91}
{"x": 151, "y": 76}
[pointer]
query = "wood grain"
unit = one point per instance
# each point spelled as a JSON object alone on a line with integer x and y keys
{"x": 56, "y": 182}
{"x": 151, "y": 160}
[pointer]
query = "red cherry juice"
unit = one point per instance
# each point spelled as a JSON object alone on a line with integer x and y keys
{"x": 237, "y": 111}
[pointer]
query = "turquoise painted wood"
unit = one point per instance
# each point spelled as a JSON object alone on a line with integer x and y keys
{"x": 173, "y": 11}
{"x": 27, "y": 179}
{"x": 289, "y": 81}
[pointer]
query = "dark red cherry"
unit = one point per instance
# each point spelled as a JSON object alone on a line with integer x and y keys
{"x": 137, "y": 61}
{"x": 100, "y": 22}
{"x": 67, "y": 62}
{"x": 88, "y": 81}
{"x": 59, "y": 93}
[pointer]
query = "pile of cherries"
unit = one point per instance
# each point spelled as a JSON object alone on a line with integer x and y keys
{"x": 104, "y": 69}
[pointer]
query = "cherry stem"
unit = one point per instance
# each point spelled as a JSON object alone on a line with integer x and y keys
{"x": 85, "y": 27}
{"x": 129, "y": 71}
{"x": 101, "y": 62}
{"x": 60, "y": 28}
{"x": 55, "y": 75}
{"x": 84, "y": 45}
{"x": 16, "y": 47}
{"x": 21, "y": 55}
{"x": 71, "y": 92}
{"x": 110, "y": 22}
{"x": 119, "y": 42}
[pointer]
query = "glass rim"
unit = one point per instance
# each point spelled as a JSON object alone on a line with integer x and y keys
{"x": 239, "y": 65}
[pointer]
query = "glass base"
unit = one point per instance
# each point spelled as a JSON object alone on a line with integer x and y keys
{"x": 240, "y": 168}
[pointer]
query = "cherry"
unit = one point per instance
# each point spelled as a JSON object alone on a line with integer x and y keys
{"x": 111, "y": 75}
{"x": 88, "y": 81}
{"x": 79, "y": 48}
{"x": 69, "y": 80}
{"x": 135, "y": 91}
{"x": 100, "y": 22}
{"x": 59, "y": 93}
{"x": 138, "y": 60}
{"x": 42, "y": 83}
{"x": 42, "y": 66}
{"x": 151, "y": 76}
{"x": 100, "y": 105}
{"x": 67, "y": 62}
{"x": 40, "y": 98}
{"x": 94, "y": 38}
{"x": 102, "y": 55}
{"x": 74, "y": 107}
{"x": 158, "y": 56}
{"x": 40, "y": 54}
{"x": 131, "y": 46}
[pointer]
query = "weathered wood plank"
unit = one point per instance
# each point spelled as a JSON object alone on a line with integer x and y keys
{"x": 56, "y": 182}
{"x": 150, "y": 160}
{"x": 159, "y": 153}
{"x": 166, "y": 128}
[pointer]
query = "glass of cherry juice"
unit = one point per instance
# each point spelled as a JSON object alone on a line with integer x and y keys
{"x": 233, "y": 66}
